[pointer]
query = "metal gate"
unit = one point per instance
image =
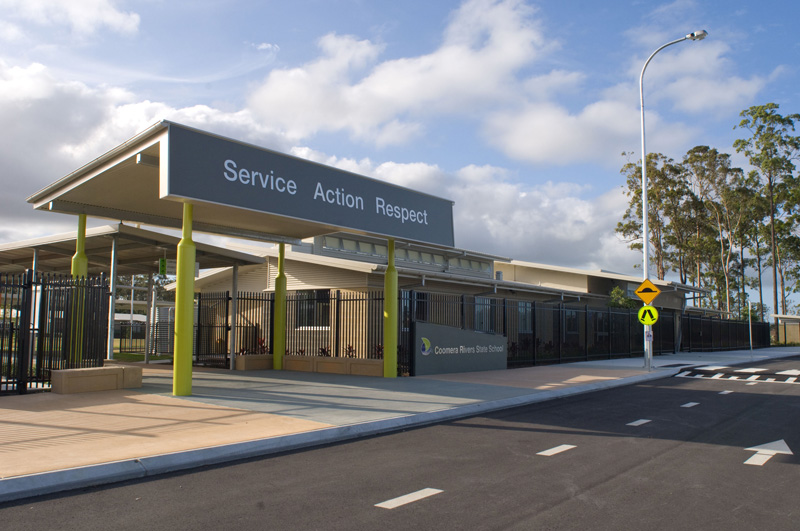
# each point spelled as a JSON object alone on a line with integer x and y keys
{"x": 48, "y": 323}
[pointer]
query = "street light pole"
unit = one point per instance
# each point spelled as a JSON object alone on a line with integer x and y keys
{"x": 648, "y": 330}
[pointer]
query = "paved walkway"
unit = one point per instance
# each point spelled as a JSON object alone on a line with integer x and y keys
{"x": 51, "y": 442}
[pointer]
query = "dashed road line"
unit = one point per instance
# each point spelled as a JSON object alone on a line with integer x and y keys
{"x": 408, "y": 498}
{"x": 725, "y": 392}
{"x": 638, "y": 422}
{"x": 556, "y": 450}
{"x": 691, "y": 404}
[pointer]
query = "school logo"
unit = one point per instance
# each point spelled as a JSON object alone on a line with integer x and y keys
{"x": 426, "y": 346}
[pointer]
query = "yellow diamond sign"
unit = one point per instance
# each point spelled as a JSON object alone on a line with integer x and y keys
{"x": 648, "y": 315}
{"x": 647, "y": 291}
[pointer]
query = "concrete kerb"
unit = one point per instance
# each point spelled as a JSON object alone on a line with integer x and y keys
{"x": 16, "y": 488}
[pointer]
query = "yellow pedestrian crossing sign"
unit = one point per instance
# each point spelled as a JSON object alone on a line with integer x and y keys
{"x": 648, "y": 315}
{"x": 647, "y": 291}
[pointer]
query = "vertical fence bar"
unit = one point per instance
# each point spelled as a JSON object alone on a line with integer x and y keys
{"x": 337, "y": 323}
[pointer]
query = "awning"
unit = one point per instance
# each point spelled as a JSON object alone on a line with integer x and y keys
{"x": 138, "y": 252}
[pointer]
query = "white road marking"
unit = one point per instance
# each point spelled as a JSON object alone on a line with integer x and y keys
{"x": 758, "y": 459}
{"x": 752, "y": 383}
{"x": 754, "y": 377}
{"x": 764, "y": 452}
{"x": 726, "y": 392}
{"x": 691, "y": 404}
{"x": 408, "y": 498}
{"x": 770, "y": 379}
{"x": 718, "y": 375}
{"x": 751, "y": 370}
{"x": 638, "y": 422}
{"x": 793, "y": 379}
{"x": 684, "y": 373}
{"x": 556, "y": 450}
{"x": 793, "y": 372}
{"x": 711, "y": 368}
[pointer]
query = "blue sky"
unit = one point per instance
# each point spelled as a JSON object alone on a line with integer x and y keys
{"x": 516, "y": 110}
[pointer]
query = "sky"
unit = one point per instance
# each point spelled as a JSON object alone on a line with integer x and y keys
{"x": 518, "y": 111}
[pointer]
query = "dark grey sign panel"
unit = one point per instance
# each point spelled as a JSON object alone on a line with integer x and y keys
{"x": 214, "y": 169}
{"x": 444, "y": 349}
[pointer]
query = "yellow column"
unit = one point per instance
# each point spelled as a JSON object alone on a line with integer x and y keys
{"x": 390, "y": 317}
{"x": 279, "y": 321}
{"x": 80, "y": 263}
{"x": 184, "y": 309}
{"x": 80, "y": 269}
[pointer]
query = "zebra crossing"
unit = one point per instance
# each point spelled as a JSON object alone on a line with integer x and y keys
{"x": 743, "y": 374}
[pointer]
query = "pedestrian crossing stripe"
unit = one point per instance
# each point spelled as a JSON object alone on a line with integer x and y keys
{"x": 713, "y": 375}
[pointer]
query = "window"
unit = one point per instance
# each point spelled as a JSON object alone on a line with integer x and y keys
{"x": 571, "y": 323}
{"x": 485, "y": 313}
{"x": 413, "y": 309}
{"x": 525, "y": 315}
{"x": 313, "y": 308}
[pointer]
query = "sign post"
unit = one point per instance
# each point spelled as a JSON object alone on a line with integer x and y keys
{"x": 648, "y": 315}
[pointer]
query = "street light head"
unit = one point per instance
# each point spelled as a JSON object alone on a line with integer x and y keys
{"x": 697, "y": 35}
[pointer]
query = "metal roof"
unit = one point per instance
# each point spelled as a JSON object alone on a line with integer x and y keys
{"x": 138, "y": 251}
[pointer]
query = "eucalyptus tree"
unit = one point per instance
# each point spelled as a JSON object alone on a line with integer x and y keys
{"x": 666, "y": 188}
{"x": 755, "y": 206}
{"x": 719, "y": 186}
{"x": 787, "y": 259}
{"x": 771, "y": 149}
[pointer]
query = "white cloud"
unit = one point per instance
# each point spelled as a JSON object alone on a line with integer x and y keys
{"x": 58, "y": 126}
{"x": 545, "y": 133}
{"x": 485, "y": 43}
{"x": 550, "y": 223}
{"x": 10, "y": 32}
{"x": 550, "y": 85}
{"x": 84, "y": 17}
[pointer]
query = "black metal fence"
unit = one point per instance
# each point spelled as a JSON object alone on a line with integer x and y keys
{"x": 130, "y": 336}
{"x": 556, "y": 333}
{"x": 350, "y": 324}
{"x": 335, "y": 323}
{"x": 709, "y": 334}
{"x": 318, "y": 323}
{"x": 211, "y": 329}
{"x": 541, "y": 333}
{"x": 254, "y": 322}
{"x": 49, "y": 323}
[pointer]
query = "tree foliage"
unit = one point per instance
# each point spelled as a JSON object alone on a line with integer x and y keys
{"x": 771, "y": 149}
{"x": 718, "y": 227}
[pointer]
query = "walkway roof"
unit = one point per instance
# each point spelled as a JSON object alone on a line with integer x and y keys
{"x": 138, "y": 251}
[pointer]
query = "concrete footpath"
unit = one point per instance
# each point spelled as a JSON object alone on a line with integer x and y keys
{"x": 51, "y": 443}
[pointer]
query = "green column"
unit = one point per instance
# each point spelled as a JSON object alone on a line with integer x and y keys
{"x": 279, "y": 329}
{"x": 390, "y": 316}
{"x": 184, "y": 309}
{"x": 80, "y": 263}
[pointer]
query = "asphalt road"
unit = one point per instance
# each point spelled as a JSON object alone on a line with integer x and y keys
{"x": 669, "y": 454}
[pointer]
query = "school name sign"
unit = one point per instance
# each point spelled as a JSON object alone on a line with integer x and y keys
{"x": 213, "y": 169}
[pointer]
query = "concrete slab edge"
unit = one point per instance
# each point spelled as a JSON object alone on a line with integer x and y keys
{"x": 19, "y": 487}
